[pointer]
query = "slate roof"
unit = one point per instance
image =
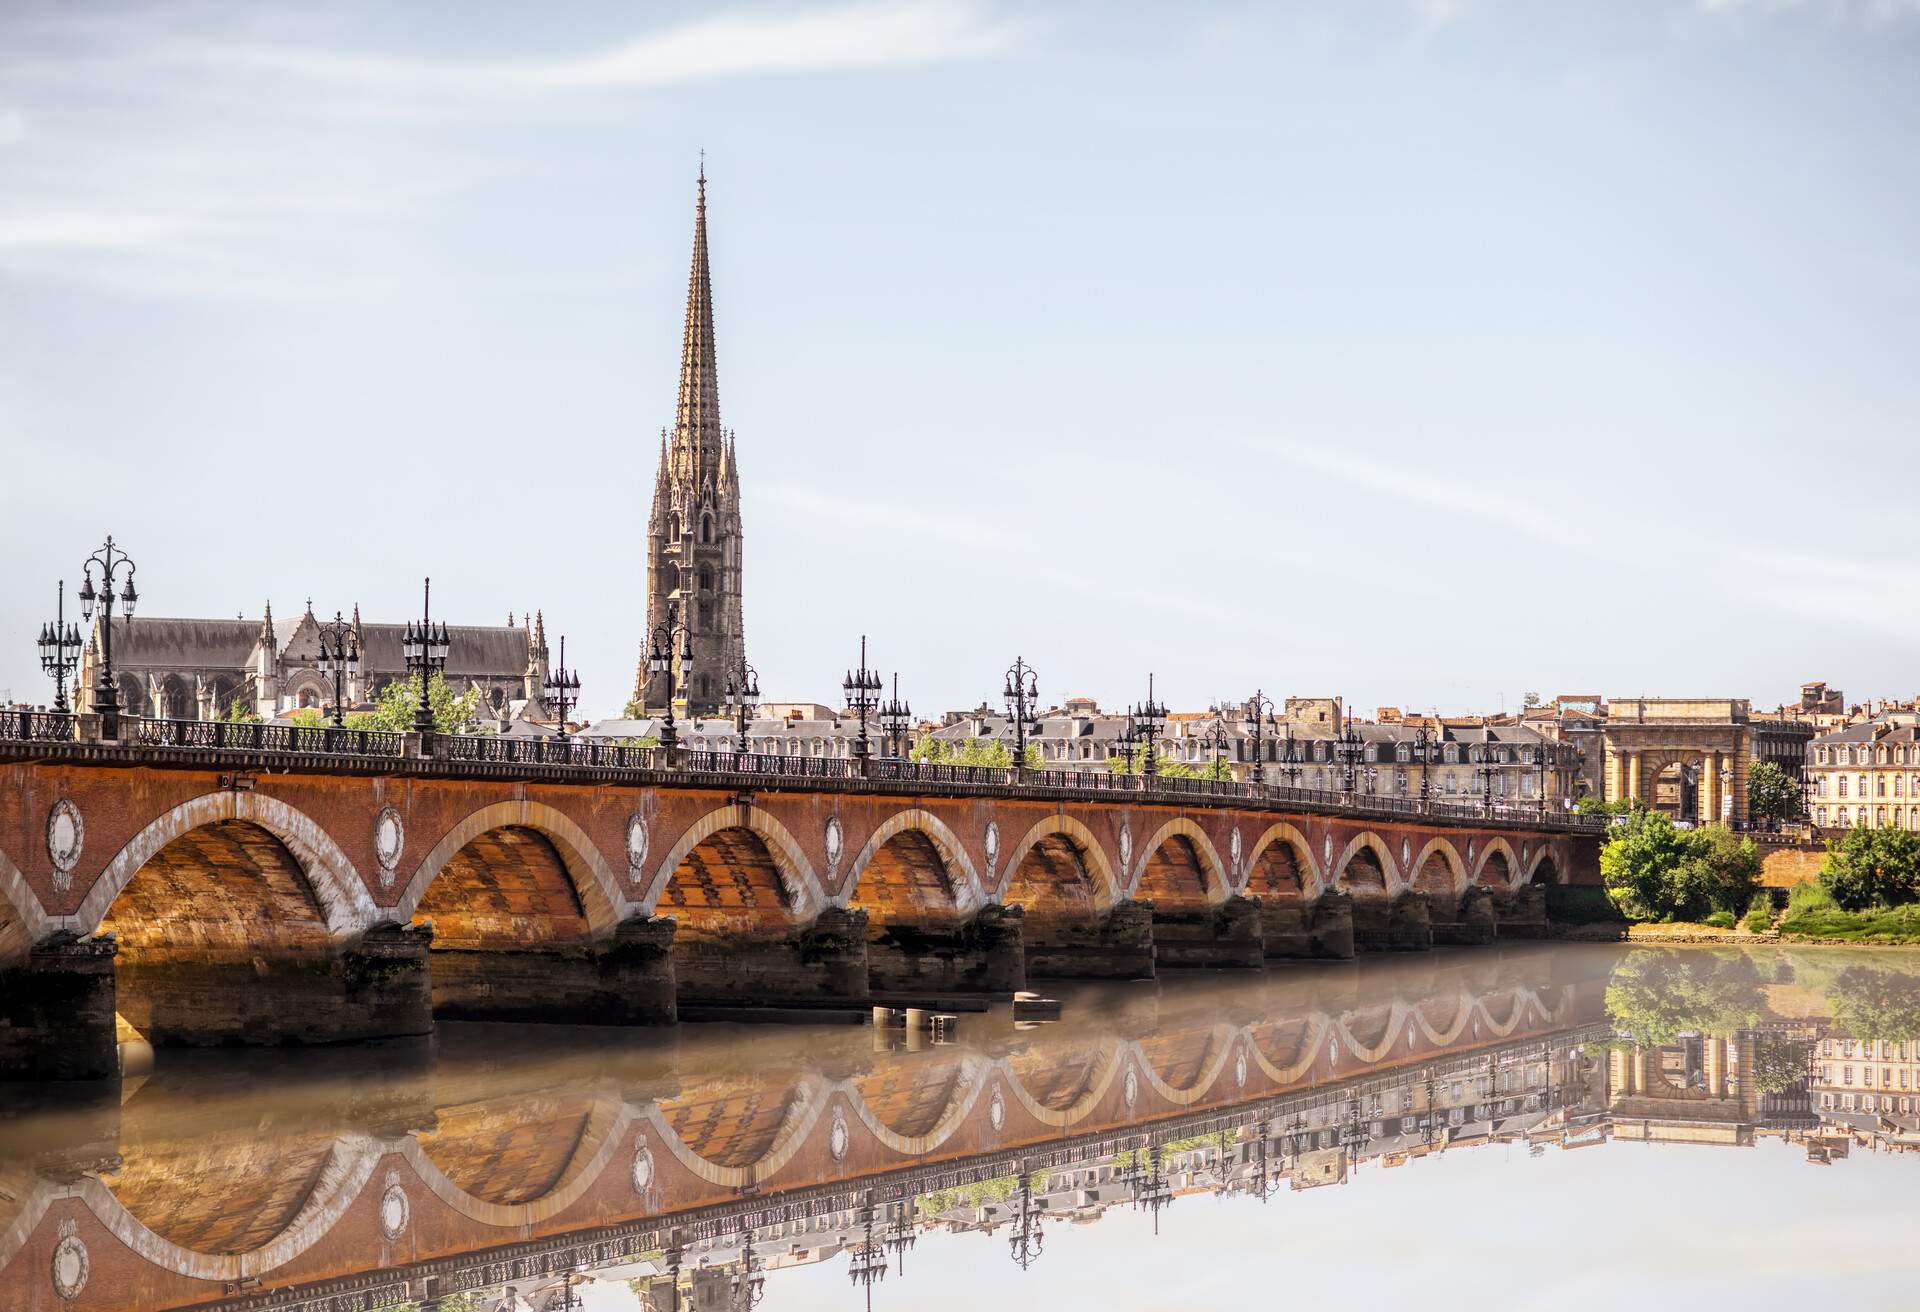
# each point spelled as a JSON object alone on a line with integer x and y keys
{"x": 161, "y": 643}
{"x": 472, "y": 649}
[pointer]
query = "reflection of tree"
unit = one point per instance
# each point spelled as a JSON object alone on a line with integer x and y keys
{"x": 1877, "y": 1000}
{"x": 1655, "y": 996}
{"x": 1779, "y": 1063}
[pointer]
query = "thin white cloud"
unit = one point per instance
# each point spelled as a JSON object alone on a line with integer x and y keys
{"x": 842, "y": 38}
{"x": 1504, "y": 506}
{"x": 1877, "y": 10}
{"x": 1436, "y": 14}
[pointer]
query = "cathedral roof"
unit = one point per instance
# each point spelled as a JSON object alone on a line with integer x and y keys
{"x": 183, "y": 644}
{"x": 472, "y": 649}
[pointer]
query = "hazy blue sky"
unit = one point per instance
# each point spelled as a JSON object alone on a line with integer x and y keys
{"x": 1419, "y": 352}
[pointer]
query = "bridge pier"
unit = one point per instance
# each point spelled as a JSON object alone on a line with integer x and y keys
{"x": 1467, "y": 922}
{"x": 56, "y": 1013}
{"x": 1226, "y": 936}
{"x": 376, "y": 988}
{"x": 629, "y": 981}
{"x": 1521, "y": 913}
{"x": 825, "y": 961}
{"x": 1311, "y": 931}
{"x": 984, "y": 954}
{"x": 1400, "y": 925}
{"x": 1118, "y": 945}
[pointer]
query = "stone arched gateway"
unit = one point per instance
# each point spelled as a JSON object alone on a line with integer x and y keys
{"x": 928, "y": 922}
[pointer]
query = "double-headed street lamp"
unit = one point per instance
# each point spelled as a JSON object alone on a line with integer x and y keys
{"x": 1218, "y": 739}
{"x": 425, "y": 647}
{"x": 1488, "y": 773}
{"x": 1290, "y": 766}
{"x": 60, "y": 648}
{"x": 862, "y": 688}
{"x": 1352, "y": 746}
{"x": 1022, "y": 693}
{"x": 1259, "y": 723}
{"x": 750, "y": 1286}
{"x": 1425, "y": 746}
{"x": 1146, "y": 722}
{"x": 896, "y": 717}
{"x": 868, "y": 1262}
{"x": 109, "y": 562}
{"x": 660, "y": 665}
{"x": 742, "y": 698}
{"x": 563, "y": 687}
{"x": 340, "y": 658}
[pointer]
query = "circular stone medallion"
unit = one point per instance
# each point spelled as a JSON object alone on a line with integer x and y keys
{"x": 395, "y": 1211}
{"x": 837, "y": 1138}
{"x": 642, "y": 1169}
{"x": 636, "y": 843}
{"x": 1327, "y": 849}
{"x": 1406, "y": 853}
{"x": 997, "y": 1110}
{"x": 1240, "y": 1070}
{"x": 66, "y": 835}
{"x": 1234, "y": 851}
{"x": 993, "y": 845}
{"x": 836, "y": 841}
{"x": 1130, "y": 1090}
{"x": 71, "y": 1265}
{"x": 389, "y": 838}
{"x": 1126, "y": 846}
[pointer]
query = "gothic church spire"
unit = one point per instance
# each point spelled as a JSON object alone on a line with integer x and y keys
{"x": 696, "y": 422}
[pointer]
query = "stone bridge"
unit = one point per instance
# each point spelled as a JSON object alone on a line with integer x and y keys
{"x": 482, "y": 1170}
{"x": 220, "y": 896}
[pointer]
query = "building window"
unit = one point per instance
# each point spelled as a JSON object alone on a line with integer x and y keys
{"x": 1841, "y": 818}
{"x": 1843, "y": 785}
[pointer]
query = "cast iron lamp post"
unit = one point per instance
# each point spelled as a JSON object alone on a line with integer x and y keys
{"x": 339, "y": 658}
{"x": 1290, "y": 767}
{"x": 660, "y": 666}
{"x": 1259, "y": 723}
{"x": 742, "y": 698}
{"x": 563, "y": 687}
{"x": 1021, "y": 691}
{"x": 862, "y": 689}
{"x": 868, "y": 1265}
{"x": 1150, "y": 1188}
{"x": 1424, "y": 744}
{"x": 900, "y": 1235}
{"x": 1352, "y": 747}
{"x": 750, "y": 1286}
{"x": 1488, "y": 772}
{"x": 895, "y": 716}
{"x": 109, "y": 561}
{"x": 1217, "y": 739}
{"x": 1148, "y": 722}
{"x": 60, "y": 648}
{"x": 425, "y": 647}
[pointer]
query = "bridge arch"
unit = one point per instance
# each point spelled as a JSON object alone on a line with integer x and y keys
{"x": 1504, "y": 872}
{"x": 956, "y": 870}
{"x": 601, "y": 902}
{"x": 1062, "y": 1092}
{"x": 1193, "y": 1061}
{"x": 338, "y": 892}
{"x": 1086, "y": 851}
{"x": 930, "y": 1120}
{"x": 801, "y": 1111}
{"x": 1450, "y": 869}
{"x": 1172, "y": 878}
{"x": 1373, "y": 845}
{"x": 1282, "y": 856}
{"x": 22, "y": 922}
{"x": 604, "y": 1127}
{"x": 804, "y": 896}
{"x": 1545, "y": 860}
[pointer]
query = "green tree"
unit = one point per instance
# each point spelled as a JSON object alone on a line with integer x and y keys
{"x": 1595, "y": 805}
{"x": 239, "y": 711}
{"x": 1134, "y": 760}
{"x": 308, "y": 717}
{"x": 1654, "y": 870}
{"x": 995, "y": 753}
{"x": 1872, "y": 868}
{"x": 393, "y": 708}
{"x": 1722, "y": 873}
{"x": 1772, "y": 795}
{"x": 1874, "y": 1002}
{"x": 1779, "y": 1063}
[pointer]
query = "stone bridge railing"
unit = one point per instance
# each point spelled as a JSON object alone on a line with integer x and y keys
{"x": 220, "y": 743}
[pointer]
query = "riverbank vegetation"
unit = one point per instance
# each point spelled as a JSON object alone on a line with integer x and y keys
{"x": 1653, "y": 870}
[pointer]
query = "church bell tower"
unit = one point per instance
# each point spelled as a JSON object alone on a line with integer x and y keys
{"x": 693, "y": 532}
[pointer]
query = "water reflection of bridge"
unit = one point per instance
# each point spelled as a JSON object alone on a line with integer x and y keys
{"x": 467, "y": 1174}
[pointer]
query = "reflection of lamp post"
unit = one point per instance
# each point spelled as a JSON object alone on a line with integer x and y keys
{"x": 749, "y": 1287}
{"x": 869, "y": 1259}
{"x": 59, "y": 649}
{"x": 1262, "y": 1183}
{"x": 901, "y": 1236}
{"x": 1027, "y": 1240}
{"x": 1150, "y": 1188}
{"x": 340, "y": 658}
{"x": 109, "y": 561}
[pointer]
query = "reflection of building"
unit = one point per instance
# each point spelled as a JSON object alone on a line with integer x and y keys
{"x": 1697, "y": 1090}
{"x": 1867, "y": 1075}
{"x": 1867, "y": 774}
{"x": 200, "y": 669}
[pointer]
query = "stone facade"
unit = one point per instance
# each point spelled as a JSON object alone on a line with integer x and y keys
{"x": 1687, "y": 756}
{"x": 693, "y": 531}
{"x": 1867, "y": 774}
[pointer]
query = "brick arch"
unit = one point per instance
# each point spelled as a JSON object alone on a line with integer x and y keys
{"x": 1545, "y": 856}
{"x": 1060, "y": 1093}
{"x": 800, "y": 1113}
{"x": 1449, "y": 855}
{"x": 515, "y": 1151}
{"x": 1371, "y": 842}
{"x": 608, "y": 1133}
{"x": 22, "y": 922}
{"x": 804, "y": 897}
{"x": 962, "y": 880}
{"x": 1182, "y": 1067}
{"x": 261, "y": 1186}
{"x": 338, "y": 892}
{"x": 1306, "y": 867}
{"x": 507, "y": 888}
{"x": 915, "y": 1108}
{"x": 1091, "y": 856}
{"x": 1194, "y": 855}
{"x": 600, "y": 898}
{"x": 1505, "y": 849}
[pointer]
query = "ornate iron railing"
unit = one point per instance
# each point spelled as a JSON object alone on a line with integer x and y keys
{"x": 542, "y": 751}
{"x": 323, "y": 740}
{"x": 37, "y": 726}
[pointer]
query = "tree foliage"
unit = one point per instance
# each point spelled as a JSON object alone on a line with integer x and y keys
{"x": 1134, "y": 762}
{"x": 1656, "y": 871}
{"x": 393, "y": 708}
{"x": 1772, "y": 795}
{"x": 995, "y": 753}
{"x": 239, "y": 711}
{"x": 1872, "y": 868}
